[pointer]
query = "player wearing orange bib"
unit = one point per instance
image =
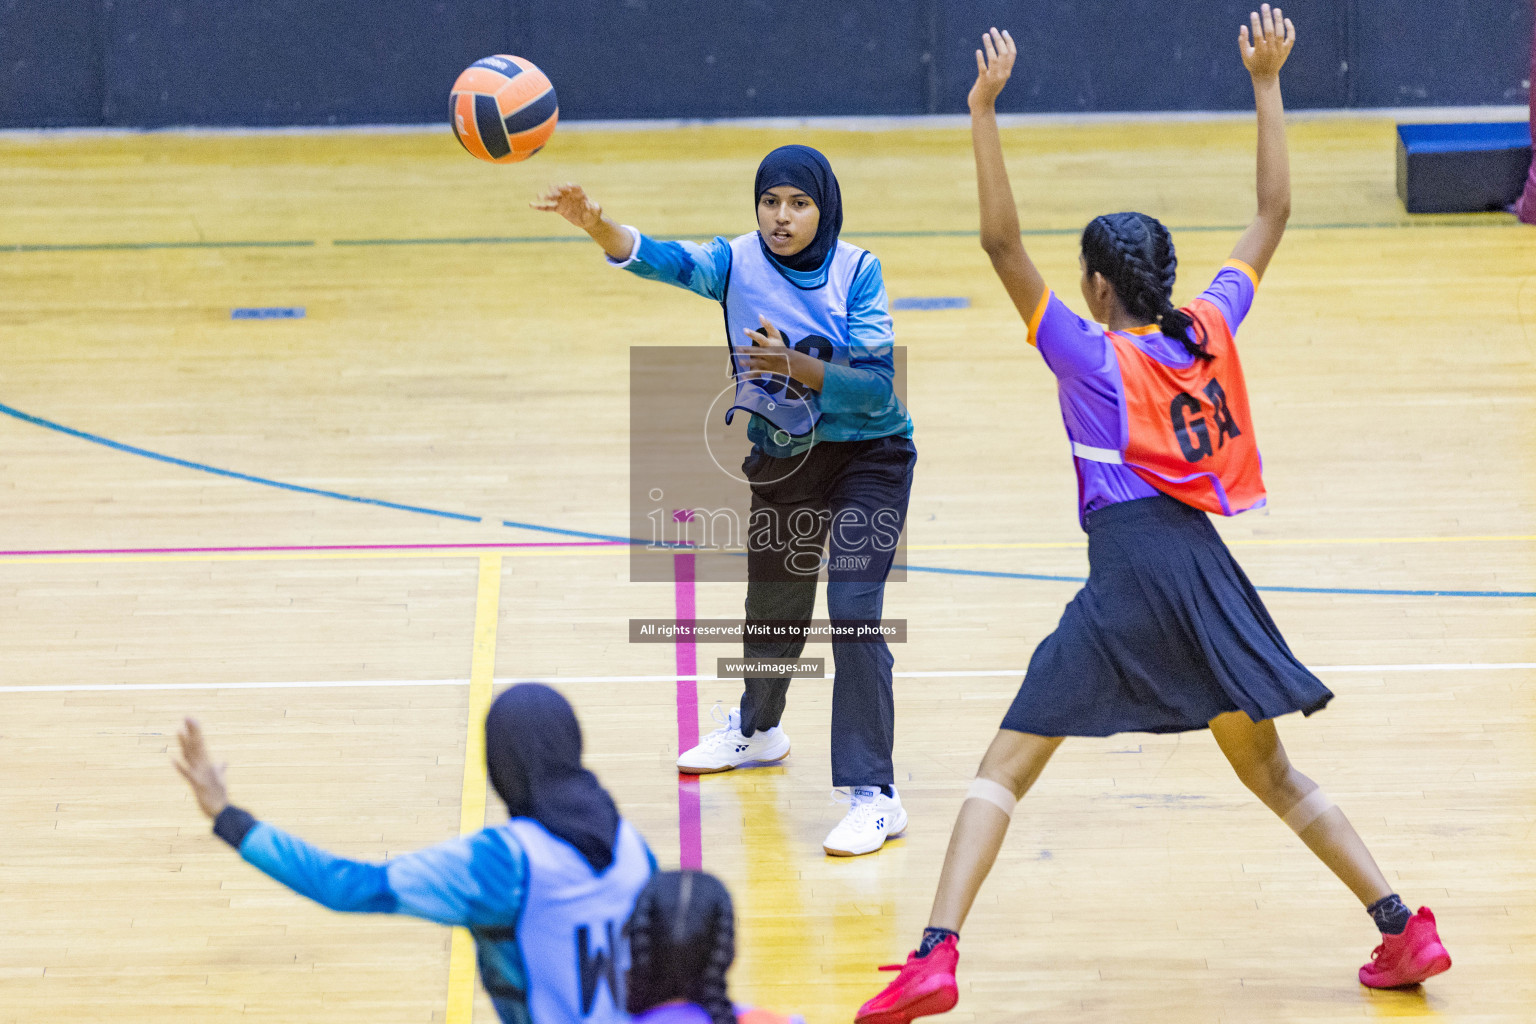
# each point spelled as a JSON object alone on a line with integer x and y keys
{"x": 1167, "y": 635}
{"x": 1187, "y": 434}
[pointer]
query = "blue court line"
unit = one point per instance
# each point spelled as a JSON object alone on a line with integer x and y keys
{"x": 1401, "y": 593}
{"x": 128, "y": 246}
{"x": 666, "y": 545}
{"x": 994, "y": 575}
{"x": 930, "y": 302}
{"x": 581, "y": 533}
{"x": 205, "y": 468}
{"x": 538, "y": 528}
{"x": 1274, "y": 590}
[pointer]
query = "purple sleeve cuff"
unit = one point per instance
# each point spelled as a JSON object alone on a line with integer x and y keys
{"x": 233, "y": 824}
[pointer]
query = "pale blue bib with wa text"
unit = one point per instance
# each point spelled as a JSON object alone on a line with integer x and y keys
{"x": 571, "y": 932}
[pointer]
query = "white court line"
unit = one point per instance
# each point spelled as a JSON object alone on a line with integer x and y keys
{"x": 334, "y": 685}
{"x": 1468, "y": 666}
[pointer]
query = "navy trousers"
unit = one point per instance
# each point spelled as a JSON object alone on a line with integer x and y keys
{"x": 850, "y": 496}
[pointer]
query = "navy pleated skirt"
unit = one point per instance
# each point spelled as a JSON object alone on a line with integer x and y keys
{"x": 1167, "y": 634}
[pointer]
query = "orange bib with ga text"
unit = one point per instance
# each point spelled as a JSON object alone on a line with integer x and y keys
{"x": 1189, "y": 431}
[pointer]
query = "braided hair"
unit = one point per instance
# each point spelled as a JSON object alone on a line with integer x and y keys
{"x": 682, "y": 939}
{"x": 1135, "y": 254}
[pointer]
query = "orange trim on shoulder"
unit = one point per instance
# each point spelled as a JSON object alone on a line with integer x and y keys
{"x": 1037, "y": 315}
{"x": 756, "y": 1015}
{"x": 1253, "y": 275}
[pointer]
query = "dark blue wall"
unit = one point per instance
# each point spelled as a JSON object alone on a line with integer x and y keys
{"x": 1098, "y": 55}
{"x": 1454, "y": 48}
{"x": 729, "y": 58}
{"x": 50, "y": 63}
{"x": 286, "y": 62}
{"x": 152, "y": 63}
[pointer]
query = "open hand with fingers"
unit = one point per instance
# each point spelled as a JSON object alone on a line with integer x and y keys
{"x": 992, "y": 67}
{"x": 1266, "y": 41}
{"x": 571, "y": 202}
{"x": 768, "y": 354}
{"x": 196, "y": 766}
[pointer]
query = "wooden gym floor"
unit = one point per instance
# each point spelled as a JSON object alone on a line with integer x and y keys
{"x": 458, "y": 356}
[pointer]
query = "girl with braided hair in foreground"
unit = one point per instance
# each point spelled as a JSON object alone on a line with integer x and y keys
{"x": 1167, "y": 635}
{"x": 682, "y": 939}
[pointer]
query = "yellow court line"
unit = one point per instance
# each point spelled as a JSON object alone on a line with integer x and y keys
{"x": 482, "y": 671}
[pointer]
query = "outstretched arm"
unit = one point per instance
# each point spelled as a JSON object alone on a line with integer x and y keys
{"x": 702, "y": 269}
{"x": 474, "y": 881}
{"x": 1264, "y": 51}
{"x": 332, "y": 881}
{"x": 572, "y": 202}
{"x": 999, "y": 216}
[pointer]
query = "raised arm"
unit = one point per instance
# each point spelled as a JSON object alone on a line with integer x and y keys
{"x": 1264, "y": 51}
{"x": 474, "y": 880}
{"x": 999, "y": 217}
{"x": 572, "y": 202}
{"x": 701, "y": 269}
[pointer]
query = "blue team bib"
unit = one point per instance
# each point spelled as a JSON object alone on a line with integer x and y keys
{"x": 812, "y": 320}
{"x": 571, "y": 932}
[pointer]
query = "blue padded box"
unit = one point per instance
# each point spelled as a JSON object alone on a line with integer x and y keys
{"x": 1462, "y": 168}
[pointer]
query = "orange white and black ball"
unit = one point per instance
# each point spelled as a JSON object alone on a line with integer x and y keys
{"x": 503, "y": 109}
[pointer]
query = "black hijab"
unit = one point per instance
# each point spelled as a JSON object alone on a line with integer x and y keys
{"x": 807, "y": 170}
{"x": 533, "y": 755}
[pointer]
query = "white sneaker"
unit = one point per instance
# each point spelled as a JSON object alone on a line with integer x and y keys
{"x": 727, "y": 748}
{"x": 871, "y": 820}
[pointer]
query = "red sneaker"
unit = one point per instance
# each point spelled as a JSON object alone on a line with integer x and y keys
{"x": 1409, "y": 958}
{"x": 926, "y": 985}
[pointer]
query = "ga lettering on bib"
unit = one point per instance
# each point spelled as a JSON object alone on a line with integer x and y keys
{"x": 1188, "y": 429}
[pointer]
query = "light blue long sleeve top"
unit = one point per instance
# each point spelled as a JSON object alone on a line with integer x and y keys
{"x": 473, "y": 881}
{"x": 478, "y": 882}
{"x": 858, "y": 401}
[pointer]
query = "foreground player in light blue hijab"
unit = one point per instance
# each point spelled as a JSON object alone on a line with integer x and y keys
{"x": 545, "y": 895}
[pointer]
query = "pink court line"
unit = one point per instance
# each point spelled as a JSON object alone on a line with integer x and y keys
{"x": 690, "y": 829}
{"x": 319, "y": 547}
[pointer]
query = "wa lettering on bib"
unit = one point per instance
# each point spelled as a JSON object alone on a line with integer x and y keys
{"x": 1188, "y": 429}
{"x": 571, "y": 930}
{"x": 812, "y": 320}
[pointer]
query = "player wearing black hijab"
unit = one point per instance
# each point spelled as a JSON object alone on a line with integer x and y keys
{"x": 832, "y": 458}
{"x": 545, "y": 894}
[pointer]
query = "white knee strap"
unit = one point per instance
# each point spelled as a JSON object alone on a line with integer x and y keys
{"x": 997, "y": 795}
{"x": 1307, "y": 810}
